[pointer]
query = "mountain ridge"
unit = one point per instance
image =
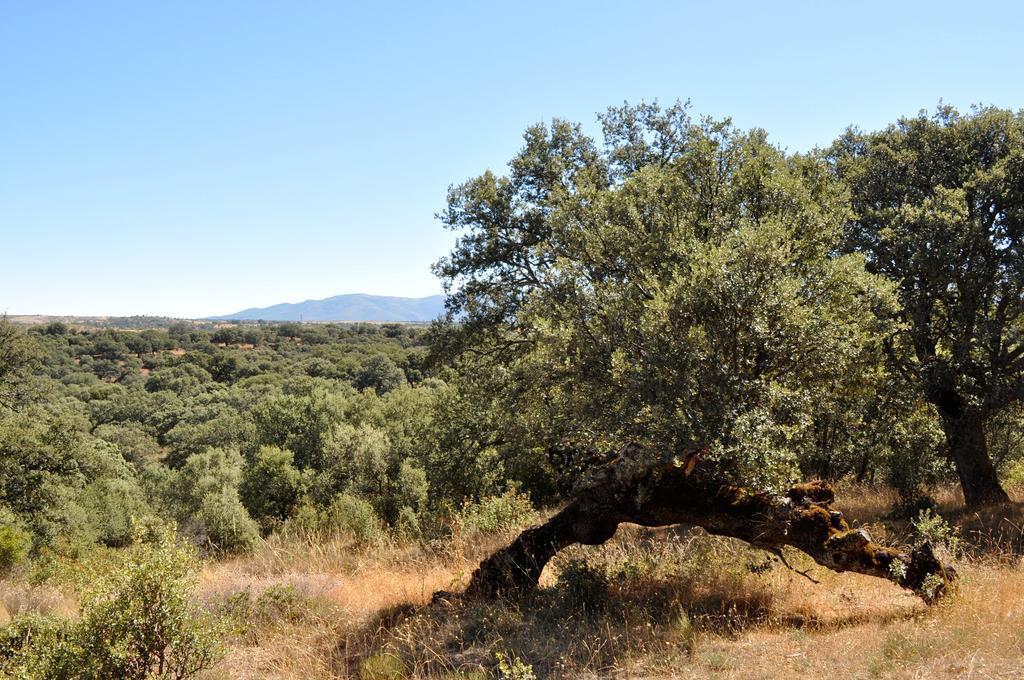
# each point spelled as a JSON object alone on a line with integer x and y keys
{"x": 346, "y": 307}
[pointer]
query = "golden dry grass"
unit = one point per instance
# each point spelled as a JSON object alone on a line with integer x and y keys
{"x": 674, "y": 603}
{"x": 649, "y": 604}
{"x": 19, "y": 597}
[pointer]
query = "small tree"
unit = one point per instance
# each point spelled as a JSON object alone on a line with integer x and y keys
{"x": 17, "y": 356}
{"x": 940, "y": 210}
{"x": 381, "y": 374}
{"x": 271, "y": 484}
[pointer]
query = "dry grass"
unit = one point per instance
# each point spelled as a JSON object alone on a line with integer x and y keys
{"x": 664, "y": 603}
{"x": 348, "y": 590}
{"x": 649, "y": 604}
{"x": 18, "y": 597}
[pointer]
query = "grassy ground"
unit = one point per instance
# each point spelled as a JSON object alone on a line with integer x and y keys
{"x": 665, "y": 603}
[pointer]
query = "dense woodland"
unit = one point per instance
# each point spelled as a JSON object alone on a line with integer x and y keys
{"x": 852, "y": 314}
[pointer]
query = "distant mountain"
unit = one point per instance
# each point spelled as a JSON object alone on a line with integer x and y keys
{"x": 355, "y": 307}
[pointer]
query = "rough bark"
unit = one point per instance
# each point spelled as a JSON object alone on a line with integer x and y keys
{"x": 683, "y": 490}
{"x": 965, "y": 436}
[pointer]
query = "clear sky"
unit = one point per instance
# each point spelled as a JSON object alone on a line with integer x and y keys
{"x": 195, "y": 158}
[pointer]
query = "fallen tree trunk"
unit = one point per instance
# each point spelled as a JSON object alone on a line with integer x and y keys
{"x": 682, "y": 490}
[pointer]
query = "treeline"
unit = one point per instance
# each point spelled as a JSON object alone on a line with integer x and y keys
{"x": 229, "y": 433}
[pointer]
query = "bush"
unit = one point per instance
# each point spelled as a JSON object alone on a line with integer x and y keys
{"x": 380, "y": 374}
{"x": 35, "y": 646}
{"x": 347, "y": 516}
{"x": 383, "y": 666}
{"x": 932, "y": 527}
{"x": 203, "y": 496}
{"x": 278, "y": 603}
{"x": 14, "y": 546}
{"x": 140, "y": 620}
{"x": 110, "y": 505}
{"x": 1015, "y": 475}
{"x": 514, "y": 668}
{"x": 497, "y": 514}
{"x": 225, "y": 525}
{"x": 584, "y": 585}
{"x": 407, "y": 528}
{"x": 354, "y": 516}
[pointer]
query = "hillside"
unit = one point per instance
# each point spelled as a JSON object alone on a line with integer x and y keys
{"x": 353, "y": 307}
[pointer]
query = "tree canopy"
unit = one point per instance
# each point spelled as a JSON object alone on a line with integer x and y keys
{"x": 939, "y": 210}
{"x": 675, "y": 285}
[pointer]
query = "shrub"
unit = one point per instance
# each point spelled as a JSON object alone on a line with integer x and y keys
{"x": 407, "y": 528}
{"x": 683, "y": 630}
{"x": 203, "y": 495}
{"x": 497, "y": 514}
{"x": 140, "y": 620}
{"x": 354, "y": 516}
{"x": 225, "y": 524}
{"x": 514, "y": 668}
{"x": 34, "y": 646}
{"x": 278, "y": 603}
{"x": 584, "y": 585}
{"x": 930, "y": 526}
{"x": 109, "y": 506}
{"x": 383, "y": 666}
{"x": 14, "y": 546}
{"x": 1015, "y": 475}
{"x": 380, "y": 374}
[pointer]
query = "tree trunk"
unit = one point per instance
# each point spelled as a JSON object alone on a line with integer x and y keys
{"x": 965, "y": 435}
{"x": 641, "y": 488}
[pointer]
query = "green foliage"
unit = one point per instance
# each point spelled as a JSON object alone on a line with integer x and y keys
{"x": 1015, "y": 475}
{"x": 584, "y": 585}
{"x": 496, "y": 514}
{"x": 380, "y": 374}
{"x": 18, "y": 355}
{"x": 139, "y": 620}
{"x": 204, "y": 498}
{"x": 346, "y": 516}
{"x": 683, "y": 630}
{"x": 383, "y": 666}
{"x": 222, "y": 523}
{"x": 938, "y": 211}
{"x": 678, "y": 287}
{"x": 354, "y": 517}
{"x": 281, "y": 603}
{"x": 932, "y": 527}
{"x": 110, "y": 506}
{"x": 513, "y": 668}
{"x": 407, "y": 528}
{"x": 40, "y": 648}
{"x": 271, "y": 485}
{"x": 297, "y": 423}
{"x": 15, "y": 544}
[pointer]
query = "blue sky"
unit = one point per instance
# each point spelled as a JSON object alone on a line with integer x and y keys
{"x": 196, "y": 158}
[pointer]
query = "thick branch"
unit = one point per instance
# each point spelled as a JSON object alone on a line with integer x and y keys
{"x": 683, "y": 490}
